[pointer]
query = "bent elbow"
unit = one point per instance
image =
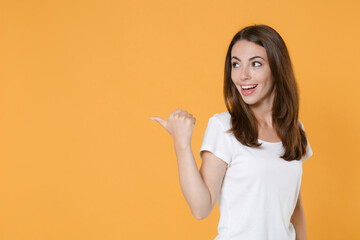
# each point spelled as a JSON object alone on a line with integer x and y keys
{"x": 201, "y": 216}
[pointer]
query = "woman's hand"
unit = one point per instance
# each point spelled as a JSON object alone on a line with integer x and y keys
{"x": 180, "y": 125}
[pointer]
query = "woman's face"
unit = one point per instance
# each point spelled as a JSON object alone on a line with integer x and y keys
{"x": 251, "y": 74}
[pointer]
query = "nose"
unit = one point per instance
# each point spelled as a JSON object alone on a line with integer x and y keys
{"x": 245, "y": 74}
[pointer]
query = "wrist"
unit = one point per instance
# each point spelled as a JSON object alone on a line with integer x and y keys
{"x": 182, "y": 146}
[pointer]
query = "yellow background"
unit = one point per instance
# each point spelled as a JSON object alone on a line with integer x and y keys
{"x": 79, "y": 80}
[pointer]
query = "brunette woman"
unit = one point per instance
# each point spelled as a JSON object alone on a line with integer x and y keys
{"x": 252, "y": 154}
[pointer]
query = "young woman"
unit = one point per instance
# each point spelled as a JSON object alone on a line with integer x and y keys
{"x": 252, "y": 154}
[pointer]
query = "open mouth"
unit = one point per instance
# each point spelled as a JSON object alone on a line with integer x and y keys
{"x": 249, "y": 87}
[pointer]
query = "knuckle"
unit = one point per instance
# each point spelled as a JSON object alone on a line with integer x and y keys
{"x": 176, "y": 111}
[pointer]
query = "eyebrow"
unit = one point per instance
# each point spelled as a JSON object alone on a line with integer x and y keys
{"x": 249, "y": 58}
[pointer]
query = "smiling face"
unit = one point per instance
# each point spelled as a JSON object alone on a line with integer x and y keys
{"x": 251, "y": 73}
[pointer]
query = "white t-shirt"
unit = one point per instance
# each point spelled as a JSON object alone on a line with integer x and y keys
{"x": 259, "y": 190}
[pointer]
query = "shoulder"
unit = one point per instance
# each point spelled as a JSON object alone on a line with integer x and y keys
{"x": 301, "y": 125}
{"x": 224, "y": 118}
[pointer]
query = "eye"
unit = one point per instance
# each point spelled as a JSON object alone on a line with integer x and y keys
{"x": 257, "y": 64}
{"x": 235, "y": 65}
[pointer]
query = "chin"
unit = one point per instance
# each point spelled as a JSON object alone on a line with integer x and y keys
{"x": 249, "y": 101}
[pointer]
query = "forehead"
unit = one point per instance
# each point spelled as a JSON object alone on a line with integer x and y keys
{"x": 246, "y": 49}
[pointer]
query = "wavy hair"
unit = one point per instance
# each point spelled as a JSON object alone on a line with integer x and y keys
{"x": 285, "y": 108}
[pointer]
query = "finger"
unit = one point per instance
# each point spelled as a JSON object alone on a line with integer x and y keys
{"x": 174, "y": 113}
{"x": 178, "y": 110}
{"x": 190, "y": 116}
{"x": 183, "y": 113}
{"x": 159, "y": 120}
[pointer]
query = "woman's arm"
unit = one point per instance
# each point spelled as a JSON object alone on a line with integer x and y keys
{"x": 298, "y": 220}
{"x": 200, "y": 189}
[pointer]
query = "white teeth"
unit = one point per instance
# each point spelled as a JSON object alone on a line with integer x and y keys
{"x": 248, "y": 87}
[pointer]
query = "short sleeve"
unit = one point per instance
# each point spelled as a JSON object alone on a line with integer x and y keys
{"x": 217, "y": 140}
{"x": 309, "y": 152}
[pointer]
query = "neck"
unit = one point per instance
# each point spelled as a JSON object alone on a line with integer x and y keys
{"x": 263, "y": 111}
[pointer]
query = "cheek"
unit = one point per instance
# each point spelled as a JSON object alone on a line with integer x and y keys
{"x": 234, "y": 77}
{"x": 264, "y": 78}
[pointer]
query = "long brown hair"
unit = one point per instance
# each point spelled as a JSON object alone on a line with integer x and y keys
{"x": 285, "y": 108}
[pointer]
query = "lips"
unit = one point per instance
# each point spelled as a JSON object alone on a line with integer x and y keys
{"x": 248, "y": 89}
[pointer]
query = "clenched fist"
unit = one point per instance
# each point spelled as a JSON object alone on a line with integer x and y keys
{"x": 180, "y": 125}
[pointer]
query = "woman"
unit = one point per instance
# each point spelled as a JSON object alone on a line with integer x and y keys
{"x": 252, "y": 154}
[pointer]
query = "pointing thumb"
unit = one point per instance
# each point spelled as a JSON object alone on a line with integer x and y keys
{"x": 159, "y": 120}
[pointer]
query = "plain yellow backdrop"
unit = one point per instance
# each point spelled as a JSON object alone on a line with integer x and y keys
{"x": 79, "y": 80}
